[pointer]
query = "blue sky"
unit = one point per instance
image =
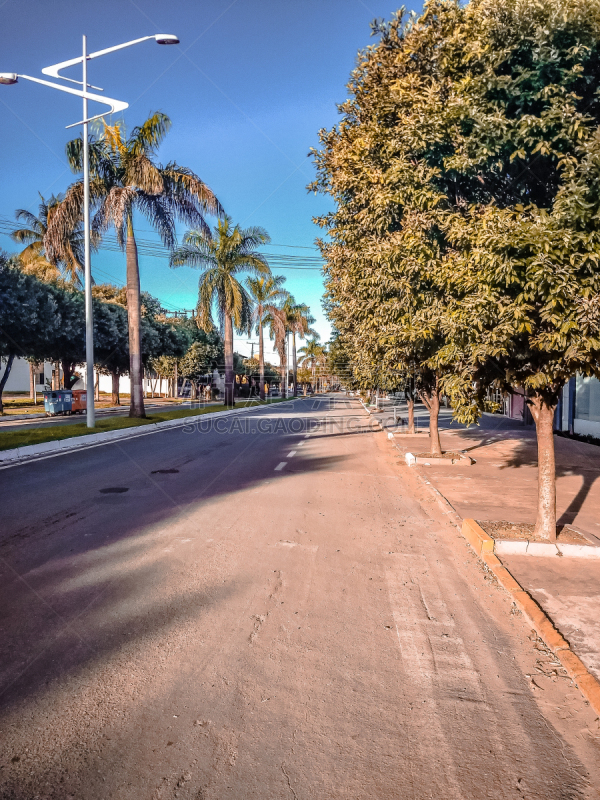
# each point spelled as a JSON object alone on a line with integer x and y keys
{"x": 247, "y": 90}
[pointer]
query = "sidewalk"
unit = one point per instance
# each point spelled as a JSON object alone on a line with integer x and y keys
{"x": 502, "y": 485}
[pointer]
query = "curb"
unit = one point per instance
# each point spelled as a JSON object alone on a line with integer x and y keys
{"x": 35, "y": 452}
{"x": 430, "y": 461}
{"x": 483, "y": 545}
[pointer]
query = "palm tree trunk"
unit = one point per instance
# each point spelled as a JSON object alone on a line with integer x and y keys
{"x": 283, "y": 369}
{"x": 543, "y": 416}
{"x": 229, "y": 386}
{"x": 261, "y": 360}
{"x": 134, "y": 304}
{"x": 295, "y": 364}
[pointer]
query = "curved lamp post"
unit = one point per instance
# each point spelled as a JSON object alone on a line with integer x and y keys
{"x": 115, "y": 106}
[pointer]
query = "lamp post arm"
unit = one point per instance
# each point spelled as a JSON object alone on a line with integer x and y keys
{"x": 55, "y": 68}
{"x": 115, "y": 105}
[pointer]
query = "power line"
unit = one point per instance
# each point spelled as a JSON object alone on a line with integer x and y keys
{"x": 155, "y": 250}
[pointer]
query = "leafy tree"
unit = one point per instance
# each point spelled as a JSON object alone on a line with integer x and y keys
{"x": 269, "y": 371}
{"x": 111, "y": 341}
{"x": 524, "y": 244}
{"x": 266, "y": 293}
{"x": 465, "y": 237}
{"x": 203, "y": 355}
{"x": 126, "y": 178}
{"x": 110, "y": 293}
{"x": 231, "y": 252}
{"x": 19, "y": 313}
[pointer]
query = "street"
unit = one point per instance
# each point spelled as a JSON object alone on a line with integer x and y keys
{"x": 270, "y": 607}
{"x": 152, "y": 407}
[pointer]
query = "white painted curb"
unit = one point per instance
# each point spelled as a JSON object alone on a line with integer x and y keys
{"x": 506, "y": 547}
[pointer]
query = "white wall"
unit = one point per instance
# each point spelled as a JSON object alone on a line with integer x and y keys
{"x": 18, "y": 380}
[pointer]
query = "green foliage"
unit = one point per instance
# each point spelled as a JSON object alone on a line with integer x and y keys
{"x": 464, "y": 244}
{"x": 251, "y": 367}
{"x": 204, "y": 354}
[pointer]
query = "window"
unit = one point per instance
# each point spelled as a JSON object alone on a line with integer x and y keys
{"x": 587, "y": 399}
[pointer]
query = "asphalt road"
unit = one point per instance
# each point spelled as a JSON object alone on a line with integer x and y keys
{"x": 276, "y": 609}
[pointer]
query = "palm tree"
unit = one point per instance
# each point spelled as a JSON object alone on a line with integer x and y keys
{"x": 67, "y": 256}
{"x": 125, "y": 177}
{"x": 313, "y": 356}
{"x": 277, "y": 320}
{"x": 299, "y": 320}
{"x": 222, "y": 257}
{"x": 266, "y": 293}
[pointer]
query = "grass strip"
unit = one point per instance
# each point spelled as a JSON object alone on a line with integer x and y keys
{"x": 54, "y": 433}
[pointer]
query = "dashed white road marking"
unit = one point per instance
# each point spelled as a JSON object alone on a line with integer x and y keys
{"x": 291, "y": 453}
{"x": 280, "y": 466}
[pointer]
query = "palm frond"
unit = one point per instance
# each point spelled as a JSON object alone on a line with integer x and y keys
{"x": 157, "y": 212}
{"x": 146, "y": 138}
{"x": 30, "y": 219}
{"x": 116, "y": 210}
{"x": 193, "y": 254}
{"x": 182, "y": 182}
{"x": 252, "y": 238}
{"x": 141, "y": 172}
{"x": 27, "y": 235}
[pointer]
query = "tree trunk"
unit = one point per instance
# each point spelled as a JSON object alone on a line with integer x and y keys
{"x": 434, "y": 431}
{"x": 283, "y": 358}
{"x": 136, "y": 408}
{"x": 68, "y": 370}
{"x": 97, "y": 387}
{"x": 295, "y": 364}
{"x": 4, "y": 378}
{"x": 229, "y": 377}
{"x": 543, "y": 416}
{"x": 32, "y": 384}
{"x": 261, "y": 360}
{"x": 115, "y": 399}
{"x": 55, "y": 376}
{"x": 432, "y": 402}
{"x": 410, "y": 402}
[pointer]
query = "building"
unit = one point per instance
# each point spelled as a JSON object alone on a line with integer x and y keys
{"x": 579, "y": 407}
{"x": 19, "y": 377}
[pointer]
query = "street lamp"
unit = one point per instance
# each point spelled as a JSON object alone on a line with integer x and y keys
{"x": 115, "y": 106}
